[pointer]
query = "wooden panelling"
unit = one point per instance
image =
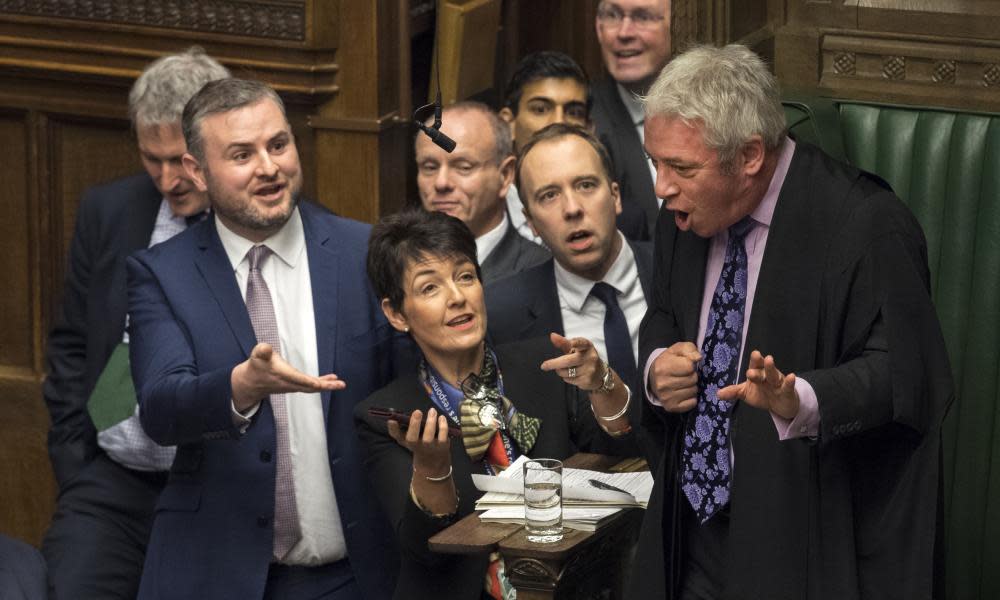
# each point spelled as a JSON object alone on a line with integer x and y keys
{"x": 27, "y": 491}
{"x": 17, "y": 269}
{"x": 904, "y": 51}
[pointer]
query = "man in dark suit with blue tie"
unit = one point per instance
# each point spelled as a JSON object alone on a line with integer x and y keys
{"x": 596, "y": 284}
{"x": 253, "y": 337}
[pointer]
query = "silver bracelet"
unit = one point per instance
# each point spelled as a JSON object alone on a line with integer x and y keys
{"x": 619, "y": 414}
{"x": 444, "y": 477}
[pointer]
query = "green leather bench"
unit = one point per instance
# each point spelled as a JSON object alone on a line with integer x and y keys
{"x": 945, "y": 165}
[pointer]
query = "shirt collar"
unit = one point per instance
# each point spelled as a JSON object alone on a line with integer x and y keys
{"x": 287, "y": 243}
{"x": 622, "y": 275}
{"x": 487, "y": 243}
{"x": 765, "y": 210}
{"x": 632, "y": 105}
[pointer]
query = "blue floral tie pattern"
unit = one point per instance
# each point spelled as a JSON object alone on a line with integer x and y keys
{"x": 705, "y": 457}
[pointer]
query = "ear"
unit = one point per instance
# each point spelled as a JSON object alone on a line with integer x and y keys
{"x": 194, "y": 171}
{"x": 396, "y": 318}
{"x": 506, "y": 175}
{"x": 527, "y": 217}
{"x": 617, "y": 196}
{"x": 751, "y": 157}
{"x": 508, "y": 116}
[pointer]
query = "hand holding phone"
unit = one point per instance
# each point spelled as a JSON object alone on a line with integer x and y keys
{"x": 391, "y": 414}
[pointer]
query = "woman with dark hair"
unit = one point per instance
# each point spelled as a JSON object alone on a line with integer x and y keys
{"x": 423, "y": 266}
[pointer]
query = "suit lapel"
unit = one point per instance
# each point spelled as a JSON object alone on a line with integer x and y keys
{"x": 136, "y": 227}
{"x": 687, "y": 282}
{"x": 545, "y": 308}
{"x": 633, "y": 157}
{"x": 324, "y": 262}
{"x": 644, "y": 266}
{"x": 216, "y": 270}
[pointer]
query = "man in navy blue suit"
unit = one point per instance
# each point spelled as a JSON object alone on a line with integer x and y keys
{"x": 266, "y": 498}
{"x": 595, "y": 285}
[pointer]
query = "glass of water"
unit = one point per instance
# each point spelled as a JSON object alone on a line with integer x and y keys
{"x": 543, "y": 500}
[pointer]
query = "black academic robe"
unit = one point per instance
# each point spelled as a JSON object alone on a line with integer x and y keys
{"x": 568, "y": 427}
{"x": 842, "y": 301}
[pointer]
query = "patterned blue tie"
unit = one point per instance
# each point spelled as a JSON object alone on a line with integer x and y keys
{"x": 706, "y": 434}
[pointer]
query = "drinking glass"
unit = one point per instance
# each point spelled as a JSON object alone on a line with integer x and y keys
{"x": 543, "y": 500}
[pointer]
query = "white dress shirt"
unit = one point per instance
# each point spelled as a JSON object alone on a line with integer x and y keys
{"x": 583, "y": 315}
{"x": 487, "y": 243}
{"x": 286, "y": 273}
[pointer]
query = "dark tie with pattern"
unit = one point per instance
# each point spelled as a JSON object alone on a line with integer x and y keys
{"x": 617, "y": 339}
{"x": 706, "y": 434}
{"x": 265, "y": 325}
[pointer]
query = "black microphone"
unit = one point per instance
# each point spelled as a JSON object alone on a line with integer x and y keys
{"x": 444, "y": 142}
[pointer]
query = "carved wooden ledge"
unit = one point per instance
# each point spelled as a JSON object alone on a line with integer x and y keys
{"x": 259, "y": 19}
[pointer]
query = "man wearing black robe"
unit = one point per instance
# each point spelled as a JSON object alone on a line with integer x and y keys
{"x": 834, "y": 413}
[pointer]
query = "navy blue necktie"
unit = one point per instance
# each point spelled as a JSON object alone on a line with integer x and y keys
{"x": 705, "y": 455}
{"x": 617, "y": 339}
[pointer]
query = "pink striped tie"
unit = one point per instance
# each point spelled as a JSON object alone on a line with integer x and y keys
{"x": 265, "y": 325}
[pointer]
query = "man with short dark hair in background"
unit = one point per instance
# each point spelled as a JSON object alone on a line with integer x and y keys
{"x": 109, "y": 472}
{"x": 549, "y": 87}
{"x": 253, "y": 337}
{"x": 471, "y": 184}
{"x": 635, "y": 45}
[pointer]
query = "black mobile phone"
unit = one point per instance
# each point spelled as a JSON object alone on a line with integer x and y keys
{"x": 391, "y": 414}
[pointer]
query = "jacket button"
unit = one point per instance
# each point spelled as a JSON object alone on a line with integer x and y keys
{"x": 261, "y": 521}
{"x": 265, "y": 456}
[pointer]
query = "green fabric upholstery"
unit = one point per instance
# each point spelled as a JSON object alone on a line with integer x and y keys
{"x": 945, "y": 165}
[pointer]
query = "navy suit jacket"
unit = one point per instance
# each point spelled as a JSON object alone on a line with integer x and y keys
{"x": 114, "y": 220}
{"x": 212, "y": 535}
{"x": 526, "y": 304}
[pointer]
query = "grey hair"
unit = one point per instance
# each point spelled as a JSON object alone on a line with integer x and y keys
{"x": 728, "y": 90}
{"x": 221, "y": 96}
{"x": 503, "y": 145}
{"x": 158, "y": 96}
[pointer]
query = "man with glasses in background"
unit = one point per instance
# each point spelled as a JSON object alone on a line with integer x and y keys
{"x": 635, "y": 45}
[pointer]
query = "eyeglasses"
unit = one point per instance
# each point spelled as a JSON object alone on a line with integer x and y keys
{"x": 613, "y": 17}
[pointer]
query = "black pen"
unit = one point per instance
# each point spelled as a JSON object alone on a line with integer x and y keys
{"x": 597, "y": 483}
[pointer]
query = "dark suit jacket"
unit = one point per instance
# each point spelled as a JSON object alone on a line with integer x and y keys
{"x": 212, "y": 535}
{"x": 526, "y": 305}
{"x": 22, "y": 571}
{"x": 842, "y": 301}
{"x": 568, "y": 427}
{"x": 512, "y": 255}
{"x": 113, "y": 221}
{"x": 616, "y": 131}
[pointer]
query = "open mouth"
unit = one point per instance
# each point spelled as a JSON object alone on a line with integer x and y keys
{"x": 626, "y": 54}
{"x": 580, "y": 240}
{"x": 462, "y": 321}
{"x": 270, "y": 192}
{"x": 682, "y": 219}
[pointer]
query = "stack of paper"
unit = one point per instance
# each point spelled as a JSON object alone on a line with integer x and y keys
{"x": 585, "y": 505}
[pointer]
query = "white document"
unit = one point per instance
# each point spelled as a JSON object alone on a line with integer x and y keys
{"x": 508, "y": 487}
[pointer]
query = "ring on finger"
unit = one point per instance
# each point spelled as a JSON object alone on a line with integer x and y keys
{"x": 571, "y": 372}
